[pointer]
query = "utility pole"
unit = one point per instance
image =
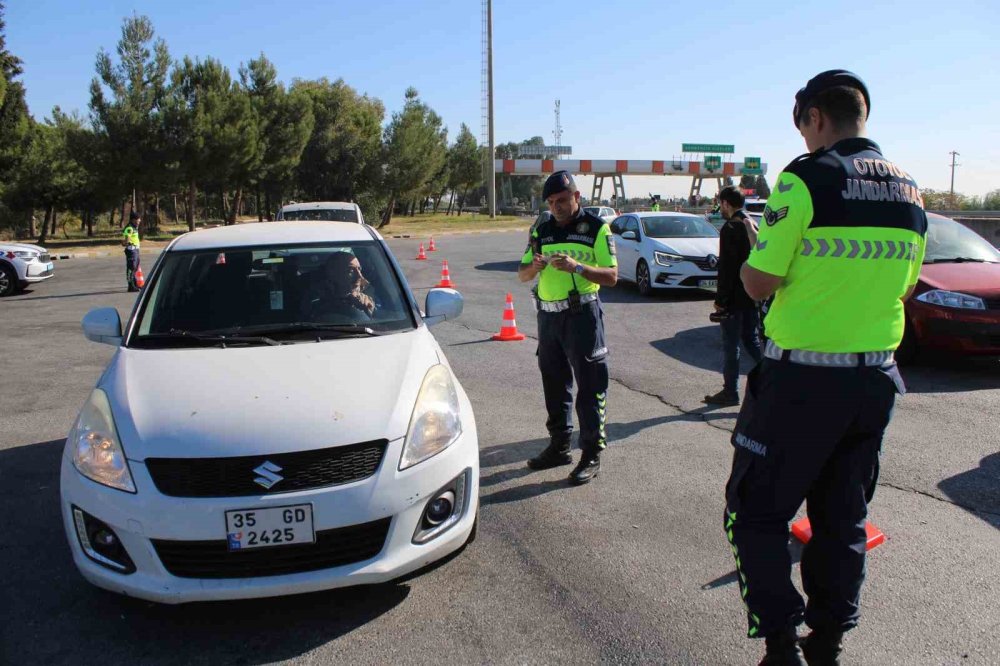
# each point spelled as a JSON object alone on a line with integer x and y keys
{"x": 492, "y": 171}
{"x": 953, "y": 165}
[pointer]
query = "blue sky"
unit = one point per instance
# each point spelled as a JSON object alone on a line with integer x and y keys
{"x": 636, "y": 78}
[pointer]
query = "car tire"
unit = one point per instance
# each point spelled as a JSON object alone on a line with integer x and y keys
{"x": 643, "y": 279}
{"x": 9, "y": 284}
{"x": 906, "y": 353}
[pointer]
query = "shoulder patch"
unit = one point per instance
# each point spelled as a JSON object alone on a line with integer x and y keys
{"x": 772, "y": 217}
{"x": 611, "y": 245}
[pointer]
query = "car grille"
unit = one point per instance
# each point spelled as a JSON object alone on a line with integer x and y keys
{"x": 333, "y": 548}
{"x": 44, "y": 258}
{"x": 701, "y": 262}
{"x": 234, "y": 477}
{"x": 992, "y": 303}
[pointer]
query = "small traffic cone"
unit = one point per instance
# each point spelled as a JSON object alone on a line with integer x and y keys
{"x": 139, "y": 278}
{"x": 803, "y": 532}
{"x": 508, "y": 325}
{"x": 421, "y": 255}
{"x": 431, "y": 248}
{"x": 445, "y": 277}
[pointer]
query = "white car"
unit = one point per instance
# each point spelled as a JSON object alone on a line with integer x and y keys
{"x": 258, "y": 432}
{"x": 666, "y": 251}
{"x": 604, "y": 212}
{"x": 21, "y": 265}
{"x": 322, "y": 211}
{"x": 755, "y": 208}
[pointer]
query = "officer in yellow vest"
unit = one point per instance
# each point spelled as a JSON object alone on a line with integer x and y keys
{"x": 840, "y": 247}
{"x": 130, "y": 240}
{"x": 573, "y": 254}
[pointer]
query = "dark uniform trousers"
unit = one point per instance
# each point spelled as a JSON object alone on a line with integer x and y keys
{"x": 131, "y": 264}
{"x": 806, "y": 433}
{"x": 572, "y": 343}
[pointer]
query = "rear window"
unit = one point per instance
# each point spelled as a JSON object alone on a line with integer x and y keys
{"x": 321, "y": 215}
{"x": 755, "y": 206}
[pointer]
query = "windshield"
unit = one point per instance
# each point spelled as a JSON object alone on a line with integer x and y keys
{"x": 672, "y": 226}
{"x": 593, "y": 210}
{"x": 286, "y": 293}
{"x": 755, "y": 206}
{"x": 949, "y": 240}
{"x": 321, "y": 215}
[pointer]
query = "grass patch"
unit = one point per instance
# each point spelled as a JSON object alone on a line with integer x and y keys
{"x": 73, "y": 239}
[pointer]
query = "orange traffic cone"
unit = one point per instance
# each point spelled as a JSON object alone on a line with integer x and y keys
{"x": 508, "y": 325}
{"x": 445, "y": 277}
{"x": 421, "y": 255}
{"x": 431, "y": 248}
{"x": 139, "y": 278}
{"x": 803, "y": 532}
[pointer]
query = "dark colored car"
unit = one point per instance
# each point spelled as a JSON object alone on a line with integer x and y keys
{"x": 956, "y": 303}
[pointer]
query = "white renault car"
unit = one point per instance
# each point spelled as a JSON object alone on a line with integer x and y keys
{"x": 658, "y": 250}
{"x": 277, "y": 419}
{"x": 21, "y": 265}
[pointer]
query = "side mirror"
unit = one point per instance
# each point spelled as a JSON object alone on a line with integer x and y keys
{"x": 103, "y": 325}
{"x": 441, "y": 305}
{"x": 628, "y": 235}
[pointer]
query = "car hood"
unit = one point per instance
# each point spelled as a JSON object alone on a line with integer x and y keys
{"x": 262, "y": 400}
{"x": 8, "y": 247}
{"x": 977, "y": 279}
{"x": 688, "y": 247}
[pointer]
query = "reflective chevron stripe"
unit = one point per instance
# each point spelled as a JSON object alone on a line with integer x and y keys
{"x": 837, "y": 248}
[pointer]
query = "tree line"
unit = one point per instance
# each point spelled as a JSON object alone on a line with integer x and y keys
{"x": 187, "y": 139}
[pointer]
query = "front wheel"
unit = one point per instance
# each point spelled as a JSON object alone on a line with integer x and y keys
{"x": 8, "y": 281}
{"x": 642, "y": 280}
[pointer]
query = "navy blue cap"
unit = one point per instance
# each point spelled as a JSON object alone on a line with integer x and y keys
{"x": 831, "y": 78}
{"x": 560, "y": 181}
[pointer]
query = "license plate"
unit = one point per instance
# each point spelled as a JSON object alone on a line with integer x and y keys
{"x": 49, "y": 266}
{"x": 274, "y": 526}
{"x": 708, "y": 284}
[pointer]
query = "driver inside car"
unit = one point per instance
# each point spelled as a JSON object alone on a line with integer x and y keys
{"x": 339, "y": 292}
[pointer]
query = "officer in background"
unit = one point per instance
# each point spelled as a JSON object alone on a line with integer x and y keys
{"x": 130, "y": 240}
{"x": 840, "y": 246}
{"x": 656, "y": 203}
{"x": 735, "y": 311}
{"x": 573, "y": 253}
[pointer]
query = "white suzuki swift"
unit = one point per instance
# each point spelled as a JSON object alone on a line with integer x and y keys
{"x": 277, "y": 419}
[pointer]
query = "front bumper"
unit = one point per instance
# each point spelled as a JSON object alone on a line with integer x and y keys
{"x": 401, "y": 497}
{"x": 38, "y": 271}
{"x": 973, "y": 332}
{"x": 682, "y": 275}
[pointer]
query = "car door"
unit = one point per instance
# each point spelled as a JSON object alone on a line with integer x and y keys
{"x": 628, "y": 248}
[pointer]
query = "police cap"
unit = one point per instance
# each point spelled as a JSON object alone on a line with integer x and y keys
{"x": 824, "y": 81}
{"x": 133, "y": 216}
{"x": 558, "y": 182}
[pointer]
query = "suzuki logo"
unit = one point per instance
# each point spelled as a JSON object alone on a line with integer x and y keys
{"x": 268, "y": 474}
{"x": 713, "y": 261}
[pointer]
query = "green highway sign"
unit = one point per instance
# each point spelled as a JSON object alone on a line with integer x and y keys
{"x": 713, "y": 161}
{"x": 707, "y": 148}
{"x": 751, "y": 166}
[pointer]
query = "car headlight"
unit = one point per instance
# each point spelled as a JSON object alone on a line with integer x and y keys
{"x": 667, "y": 259}
{"x": 27, "y": 255}
{"x": 97, "y": 452}
{"x": 436, "y": 422}
{"x": 952, "y": 299}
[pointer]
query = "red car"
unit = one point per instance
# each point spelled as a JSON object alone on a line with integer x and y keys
{"x": 956, "y": 303}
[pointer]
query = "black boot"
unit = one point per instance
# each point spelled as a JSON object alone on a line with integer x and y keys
{"x": 783, "y": 649}
{"x": 554, "y": 455}
{"x": 722, "y": 398}
{"x": 823, "y": 648}
{"x": 587, "y": 469}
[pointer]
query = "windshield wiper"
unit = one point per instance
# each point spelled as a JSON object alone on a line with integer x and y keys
{"x": 956, "y": 260}
{"x": 215, "y": 338}
{"x": 346, "y": 330}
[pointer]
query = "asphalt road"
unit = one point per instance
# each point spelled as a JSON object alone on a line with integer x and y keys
{"x": 633, "y": 568}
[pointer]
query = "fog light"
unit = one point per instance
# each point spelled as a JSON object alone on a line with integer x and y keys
{"x": 100, "y": 543}
{"x": 445, "y": 508}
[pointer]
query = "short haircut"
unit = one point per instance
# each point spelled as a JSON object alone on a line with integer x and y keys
{"x": 732, "y": 196}
{"x": 843, "y": 105}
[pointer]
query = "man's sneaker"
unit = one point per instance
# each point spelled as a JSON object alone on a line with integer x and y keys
{"x": 783, "y": 650}
{"x": 822, "y": 648}
{"x": 554, "y": 455}
{"x": 722, "y": 398}
{"x": 586, "y": 470}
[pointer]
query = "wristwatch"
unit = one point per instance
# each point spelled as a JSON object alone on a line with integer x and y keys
{"x": 579, "y": 269}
